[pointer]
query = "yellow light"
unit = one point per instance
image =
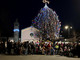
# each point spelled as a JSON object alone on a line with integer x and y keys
{"x": 66, "y": 27}
{"x": 71, "y": 27}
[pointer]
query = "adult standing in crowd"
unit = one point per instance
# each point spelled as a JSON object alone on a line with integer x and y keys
{"x": 26, "y": 47}
{"x": 9, "y": 46}
{"x": 6, "y": 47}
{"x": 32, "y": 48}
{"x": 78, "y": 49}
{"x": 0, "y": 47}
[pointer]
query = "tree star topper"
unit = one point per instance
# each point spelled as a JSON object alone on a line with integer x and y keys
{"x": 45, "y": 1}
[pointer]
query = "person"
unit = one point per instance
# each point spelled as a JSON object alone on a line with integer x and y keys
{"x": 16, "y": 48}
{"x": 56, "y": 49}
{"x": 43, "y": 50}
{"x": 6, "y": 47}
{"x": 53, "y": 51}
{"x": 49, "y": 49}
{"x": 78, "y": 50}
{"x": 46, "y": 49}
{"x": 26, "y": 47}
{"x": 61, "y": 51}
{"x": 32, "y": 48}
{"x": 53, "y": 45}
{"x": 23, "y": 49}
{"x": 40, "y": 50}
{"x": 0, "y": 47}
{"x": 19, "y": 47}
{"x": 12, "y": 48}
{"x": 37, "y": 49}
{"x": 29, "y": 48}
{"x": 9, "y": 46}
{"x": 65, "y": 51}
{"x": 69, "y": 52}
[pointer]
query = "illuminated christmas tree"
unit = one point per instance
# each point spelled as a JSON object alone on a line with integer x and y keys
{"x": 47, "y": 23}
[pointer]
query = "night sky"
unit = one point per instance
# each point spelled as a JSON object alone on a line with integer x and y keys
{"x": 26, "y": 10}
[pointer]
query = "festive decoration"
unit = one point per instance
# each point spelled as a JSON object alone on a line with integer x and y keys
{"x": 45, "y": 1}
{"x": 47, "y": 23}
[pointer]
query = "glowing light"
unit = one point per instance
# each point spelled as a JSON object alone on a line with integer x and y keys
{"x": 71, "y": 27}
{"x": 66, "y": 27}
{"x": 16, "y": 30}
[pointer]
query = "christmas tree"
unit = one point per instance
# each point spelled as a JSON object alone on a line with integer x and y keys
{"x": 47, "y": 23}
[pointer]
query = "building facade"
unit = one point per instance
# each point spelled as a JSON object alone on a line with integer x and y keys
{"x": 29, "y": 34}
{"x": 16, "y": 31}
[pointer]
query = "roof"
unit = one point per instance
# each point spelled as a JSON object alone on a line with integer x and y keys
{"x": 28, "y": 28}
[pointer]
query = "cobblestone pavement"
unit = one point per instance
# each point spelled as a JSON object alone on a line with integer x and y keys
{"x": 36, "y": 57}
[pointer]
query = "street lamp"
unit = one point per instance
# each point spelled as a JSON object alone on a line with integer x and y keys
{"x": 68, "y": 28}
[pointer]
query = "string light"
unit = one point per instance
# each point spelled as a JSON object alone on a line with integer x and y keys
{"x": 47, "y": 22}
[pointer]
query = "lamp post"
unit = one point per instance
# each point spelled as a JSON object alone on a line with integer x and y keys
{"x": 68, "y": 28}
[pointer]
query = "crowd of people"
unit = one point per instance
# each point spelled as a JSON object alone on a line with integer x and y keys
{"x": 26, "y": 48}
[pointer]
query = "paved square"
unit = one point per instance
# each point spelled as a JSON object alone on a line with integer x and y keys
{"x": 36, "y": 57}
